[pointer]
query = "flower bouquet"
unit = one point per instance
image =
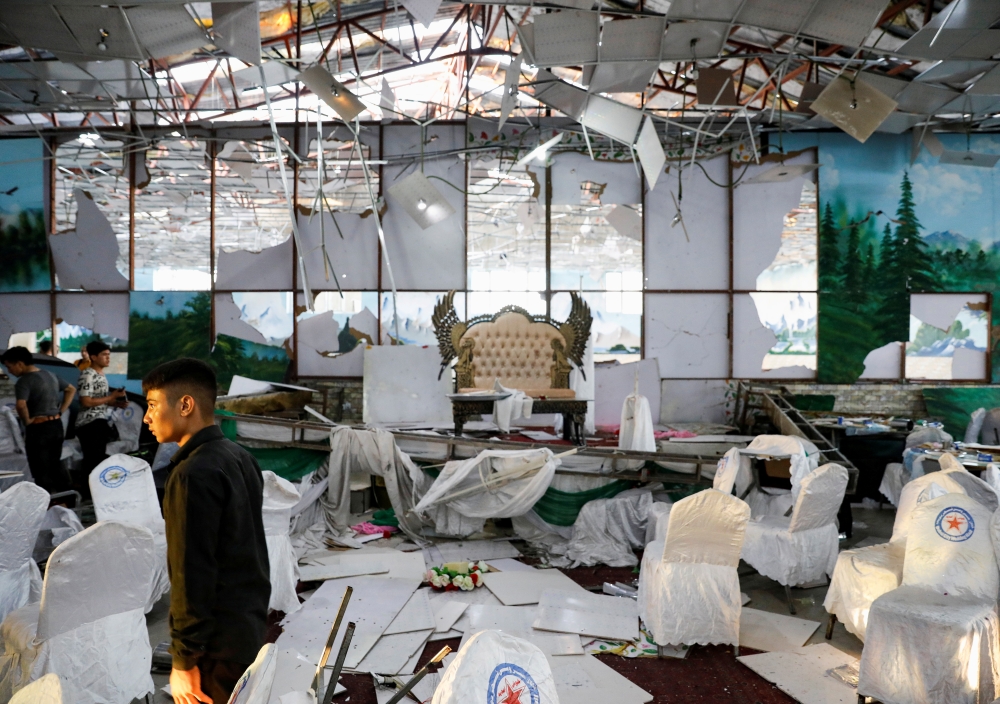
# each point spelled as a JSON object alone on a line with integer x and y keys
{"x": 453, "y": 576}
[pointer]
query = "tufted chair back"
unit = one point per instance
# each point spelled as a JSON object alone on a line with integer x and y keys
{"x": 517, "y": 352}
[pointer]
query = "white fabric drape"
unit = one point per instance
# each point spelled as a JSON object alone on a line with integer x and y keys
{"x": 279, "y": 497}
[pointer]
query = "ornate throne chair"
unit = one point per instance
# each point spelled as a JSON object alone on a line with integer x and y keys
{"x": 527, "y": 352}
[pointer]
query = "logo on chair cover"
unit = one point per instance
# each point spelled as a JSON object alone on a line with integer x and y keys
{"x": 510, "y": 684}
{"x": 113, "y": 476}
{"x": 955, "y": 524}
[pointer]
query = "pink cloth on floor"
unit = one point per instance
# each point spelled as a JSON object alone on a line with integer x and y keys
{"x": 662, "y": 434}
{"x": 372, "y": 529}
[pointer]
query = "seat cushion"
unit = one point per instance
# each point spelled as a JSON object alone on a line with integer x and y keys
{"x": 533, "y": 392}
{"x": 922, "y": 647}
{"x": 861, "y": 576}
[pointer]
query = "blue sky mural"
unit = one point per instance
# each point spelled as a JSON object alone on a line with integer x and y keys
{"x": 22, "y": 220}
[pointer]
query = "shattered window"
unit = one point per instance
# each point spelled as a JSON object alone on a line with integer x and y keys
{"x": 342, "y": 175}
{"x": 414, "y": 311}
{"x": 939, "y": 349}
{"x": 95, "y": 164}
{"x": 792, "y": 319}
{"x": 172, "y": 218}
{"x": 617, "y": 333}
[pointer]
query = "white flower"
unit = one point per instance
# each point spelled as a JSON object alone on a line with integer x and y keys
{"x": 464, "y": 583}
{"x": 440, "y": 580}
{"x": 483, "y": 567}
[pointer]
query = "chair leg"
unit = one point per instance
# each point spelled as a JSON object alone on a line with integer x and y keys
{"x": 791, "y": 604}
{"x": 829, "y": 626}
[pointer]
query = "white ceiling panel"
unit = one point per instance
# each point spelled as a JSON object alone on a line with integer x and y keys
{"x": 720, "y": 10}
{"x": 632, "y": 40}
{"x": 845, "y": 22}
{"x": 566, "y": 38}
{"x": 708, "y": 38}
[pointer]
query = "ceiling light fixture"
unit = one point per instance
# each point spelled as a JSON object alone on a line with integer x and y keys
{"x": 421, "y": 204}
{"x": 102, "y": 44}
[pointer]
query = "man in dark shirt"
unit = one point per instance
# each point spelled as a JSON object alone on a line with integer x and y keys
{"x": 42, "y": 398}
{"x": 216, "y": 551}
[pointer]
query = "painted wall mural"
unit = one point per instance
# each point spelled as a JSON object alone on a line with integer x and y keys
{"x": 890, "y": 227}
{"x": 22, "y": 219}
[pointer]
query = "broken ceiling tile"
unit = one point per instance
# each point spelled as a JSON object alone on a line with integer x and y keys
{"x": 566, "y": 38}
{"x": 165, "y": 30}
{"x": 900, "y": 122}
{"x": 332, "y": 92}
{"x": 387, "y": 100}
{"x": 715, "y": 88}
{"x": 570, "y": 170}
{"x": 85, "y": 257}
{"x": 512, "y": 77}
{"x": 23, "y": 312}
{"x": 236, "y": 28}
{"x": 267, "y": 270}
{"x": 104, "y": 313}
{"x": 422, "y": 10}
{"x": 526, "y": 37}
{"x": 632, "y": 40}
{"x": 719, "y": 10}
{"x": 985, "y": 161}
{"x": 854, "y": 106}
{"x": 228, "y": 321}
{"x": 560, "y": 95}
{"x": 846, "y": 22}
{"x": 621, "y": 77}
{"x": 626, "y": 222}
{"x": 685, "y": 41}
{"x": 884, "y": 362}
{"x": 612, "y": 119}
{"x": 650, "y": 153}
{"x": 421, "y": 200}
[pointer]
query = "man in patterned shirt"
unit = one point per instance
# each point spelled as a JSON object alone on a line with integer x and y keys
{"x": 93, "y": 422}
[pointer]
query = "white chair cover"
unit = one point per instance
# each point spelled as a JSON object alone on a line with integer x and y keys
{"x": 89, "y": 628}
{"x": 11, "y": 441}
{"x": 730, "y": 473}
{"x": 936, "y": 639}
{"x": 992, "y": 476}
{"x": 803, "y": 457}
{"x": 495, "y": 667}
{"x": 279, "y": 497}
{"x": 123, "y": 490}
{"x": 689, "y": 591}
{"x": 128, "y": 421}
{"x": 254, "y": 687}
{"x": 22, "y": 511}
{"x": 893, "y": 481}
{"x": 46, "y": 690}
{"x": 656, "y": 523}
{"x": 802, "y": 548}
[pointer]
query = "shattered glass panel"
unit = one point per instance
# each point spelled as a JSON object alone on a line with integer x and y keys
{"x": 414, "y": 310}
{"x": 617, "y": 324}
{"x": 172, "y": 218}
{"x": 585, "y": 246}
{"x": 343, "y": 178}
{"x": 792, "y": 318}
{"x": 794, "y": 267}
{"x": 270, "y": 313}
{"x": 345, "y": 308}
{"x": 95, "y": 164}
{"x": 251, "y": 212}
{"x": 956, "y": 353}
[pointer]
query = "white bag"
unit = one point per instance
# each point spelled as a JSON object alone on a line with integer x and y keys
{"x": 494, "y": 667}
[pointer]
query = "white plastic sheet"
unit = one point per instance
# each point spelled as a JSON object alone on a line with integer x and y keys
{"x": 927, "y": 434}
{"x": 254, "y": 687}
{"x": 607, "y": 531}
{"x": 123, "y": 490}
{"x": 90, "y": 628}
{"x": 657, "y": 521}
{"x": 496, "y": 667}
{"x": 689, "y": 591}
{"x": 22, "y": 511}
{"x": 517, "y": 405}
{"x": 936, "y": 638}
{"x": 636, "y": 429}
{"x": 530, "y": 473}
{"x": 10, "y": 433}
{"x": 279, "y": 497}
{"x": 802, "y": 548}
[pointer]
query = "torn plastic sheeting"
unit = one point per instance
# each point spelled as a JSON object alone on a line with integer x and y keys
{"x": 104, "y": 313}
{"x": 85, "y": 257}
{"x": 493, "y": 666}
{"x": 280, "y": 495}
{"x": 505, "y": 500}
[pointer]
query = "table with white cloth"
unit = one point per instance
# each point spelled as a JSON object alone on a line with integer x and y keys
{"x": 573, "y": 411}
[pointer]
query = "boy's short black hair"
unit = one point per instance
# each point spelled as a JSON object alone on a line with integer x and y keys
{"x": 17, "y": 354}
{"x": 95, "y": 347}
{"x": 185, "y": 376}
{"x": 45, "y": 346}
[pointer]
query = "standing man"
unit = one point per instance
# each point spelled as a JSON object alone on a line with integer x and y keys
{"x": 93, "y": 422}
{"x": 216, "y": 551}
{"x": 39, "y": 405}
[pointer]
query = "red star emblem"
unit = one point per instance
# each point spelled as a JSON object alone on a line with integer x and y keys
{"x": 954, "y": 522}
{"x": 509, "y": 695}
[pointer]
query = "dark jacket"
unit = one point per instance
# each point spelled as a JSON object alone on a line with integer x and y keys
{"x": 216, "y": 552}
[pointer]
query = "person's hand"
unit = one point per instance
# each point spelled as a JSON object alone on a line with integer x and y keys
{"x": 185, "y": 686}
{"x": 118, "y": 393}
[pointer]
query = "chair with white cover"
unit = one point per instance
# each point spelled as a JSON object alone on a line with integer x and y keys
{"x": 899, "y": 474}
{"x": 801, "y": 548}
{"x": 124, "y": 490}
{"x": 736, "y": 470}
{"x": 46, "y": 690}
{"x": 689, "y": 591}
{"x": 657, "y": 520}
{"x": 90, "y": 627}
{"x": 864, "y": 574}
{"x": 494, "y": 666}
{"x": 279, "y": 497}
{"x": 936, "y": 639}
{"x": 22, "y": 511}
